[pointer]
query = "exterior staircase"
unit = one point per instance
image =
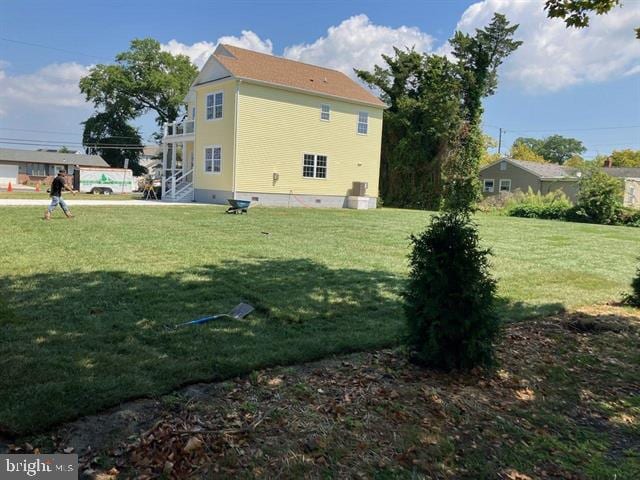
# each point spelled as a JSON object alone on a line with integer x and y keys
{"x": 178, "y": 188}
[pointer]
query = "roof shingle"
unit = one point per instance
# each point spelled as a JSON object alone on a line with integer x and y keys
{"x": 54, "y": 158}
{"x": 250, "y": 65}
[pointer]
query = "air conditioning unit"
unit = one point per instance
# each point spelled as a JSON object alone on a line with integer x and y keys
{"x": 359, "y": 189}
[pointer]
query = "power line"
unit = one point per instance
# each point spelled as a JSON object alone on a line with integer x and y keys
{"x": 20, "y": 42}
{"x": 59, "y": 133}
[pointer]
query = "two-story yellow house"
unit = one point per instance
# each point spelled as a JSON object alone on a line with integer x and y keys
{"x": 276, "y": 132}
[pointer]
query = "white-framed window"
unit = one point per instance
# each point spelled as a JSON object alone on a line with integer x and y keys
{"x": 214, "y": 105}
{"x": 314, "y": 166}
{"x": 363, "y": 123}
{"x": 325, "y": 112}
{"x": 487, "y": 186}
{"x": 213, "y": 159}
{"x": 505, "y": 184}
{"x": 193, "y": 113}
{"x": 503, "y": 165}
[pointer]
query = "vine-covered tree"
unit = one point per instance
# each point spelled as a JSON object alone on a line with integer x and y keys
{"x": 432, "y": 127}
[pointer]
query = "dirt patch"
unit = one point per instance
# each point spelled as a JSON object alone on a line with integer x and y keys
{"x": 563, "y": 403}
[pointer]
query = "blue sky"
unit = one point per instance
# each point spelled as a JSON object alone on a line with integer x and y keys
{"x": 584, "y": 84}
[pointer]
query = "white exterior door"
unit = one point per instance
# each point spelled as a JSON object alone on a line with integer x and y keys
{"x": 8, "y": 173}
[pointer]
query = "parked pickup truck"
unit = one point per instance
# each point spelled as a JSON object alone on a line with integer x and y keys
{"x": 105, "y": 181}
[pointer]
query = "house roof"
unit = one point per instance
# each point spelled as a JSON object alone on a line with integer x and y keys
{"x": 546, "y": 170}
{"x": 260, "y": 67}
{"x": 541, "y": 170}
{"x": 54, "y": 158}
{"x": 622, "y": 172}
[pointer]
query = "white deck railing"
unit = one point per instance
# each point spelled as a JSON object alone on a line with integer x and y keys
{"x": 187, "y": 127}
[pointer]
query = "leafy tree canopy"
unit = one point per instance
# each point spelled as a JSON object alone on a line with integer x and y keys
{"x": 142, "y": 79}
{"x": 555, "y": 148}
{"x": 521, "y": 151}
{"x": 111, "y": 137}
{"x": 575, "y": 13}
{"x": 621, "y": 158}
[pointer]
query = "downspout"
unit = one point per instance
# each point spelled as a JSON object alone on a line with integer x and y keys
{"x": 235, "y": 137}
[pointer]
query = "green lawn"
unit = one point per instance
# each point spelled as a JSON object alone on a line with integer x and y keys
{"x": 83, "y": 302}
{"x": 33, "y": 195}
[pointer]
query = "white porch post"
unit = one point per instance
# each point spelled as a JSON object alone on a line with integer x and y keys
{"x": 163, "y": 188}
{"x": 173, "y": 170}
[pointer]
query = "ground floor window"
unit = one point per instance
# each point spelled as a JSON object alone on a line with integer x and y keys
{"x": 505, "y": 185}
{"x": 213, "y": 159}
{"x": 488, "y": 186}
{"x": 314, "y": 166}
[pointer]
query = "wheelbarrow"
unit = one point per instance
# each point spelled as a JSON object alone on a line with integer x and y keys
{"x": 238, "y": 206}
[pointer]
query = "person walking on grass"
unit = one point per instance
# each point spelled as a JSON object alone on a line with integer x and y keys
{"x": 57, "y": 187}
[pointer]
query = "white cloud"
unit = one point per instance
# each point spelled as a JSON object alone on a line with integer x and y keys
{"x": 554, "y": 57}
{"x": 358, "y": 43}
{"x": 199, "y": 52}
{"x": 53, "y": 85}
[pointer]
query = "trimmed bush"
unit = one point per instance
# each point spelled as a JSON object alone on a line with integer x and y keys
{"x": 553, "y": 206}
{"x": 450, "y": 298}
{"x": 633, "y": 298}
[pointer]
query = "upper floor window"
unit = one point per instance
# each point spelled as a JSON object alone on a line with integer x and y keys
{"x": 503, "y": 165}
{"x": 325, "y": 112}
{"x": 363, "y": 123}
{"x": 214, "y": 105}
{"x": 314, "y": 166}
{"x": 213, "y": 159}
{"x": 193, "y": 113}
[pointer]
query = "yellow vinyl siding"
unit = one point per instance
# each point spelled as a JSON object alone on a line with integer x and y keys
{"x": 277, "y": 127}
{"x": 215, "y": 132}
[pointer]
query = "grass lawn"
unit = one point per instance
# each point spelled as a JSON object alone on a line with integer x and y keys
{"x": 32, "y": 195}
{"x": 84, "y": 302}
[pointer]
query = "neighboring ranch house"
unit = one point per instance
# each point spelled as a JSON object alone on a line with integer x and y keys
{"x": 508, "y": 175}
{"x": 274, "y": 131}
{"x": 28, "y": 166}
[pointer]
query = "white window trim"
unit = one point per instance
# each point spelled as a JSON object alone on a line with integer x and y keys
{"x": 206, "y": 108}
{"x": 506, "y": 181}
{"x": 484, "y": 185}
{"x": 204, "y": 159}
{"x": 321, "y": 112}
{"x": 358, "y": 123}
{"x": 315, "y": 166}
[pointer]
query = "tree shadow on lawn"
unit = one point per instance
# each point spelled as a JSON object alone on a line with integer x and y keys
{"x": 85, "y": 341}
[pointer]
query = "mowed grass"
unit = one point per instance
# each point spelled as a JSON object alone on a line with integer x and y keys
{"x": 43, "y": 195}
{"x": 84, "y": 302}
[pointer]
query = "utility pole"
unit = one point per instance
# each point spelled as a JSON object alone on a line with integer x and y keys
{"x": 500, "y": 140}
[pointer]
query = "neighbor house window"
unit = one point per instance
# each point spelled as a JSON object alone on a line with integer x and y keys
{"x": 213, "y": 159}
{"x": 214, "y": 105}
{"x": 488, "y": 186}
{"x": 314, "y": 166}
{"x": 325, "y": 112}
{"x": 505, "y": 185}
{"x": 503, "y": 165}
{"x": 363, "y": 123}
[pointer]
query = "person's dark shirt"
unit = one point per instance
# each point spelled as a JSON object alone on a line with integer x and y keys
{"x": 57, "y": 186}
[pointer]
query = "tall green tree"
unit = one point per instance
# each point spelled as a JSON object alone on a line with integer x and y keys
{"x": 576, "y": 13}
{"x": 431, "y": 135}
{"x": 111, "y": 137}
{"x": 143, "y": 79}
{"x": 555, "y": 148}
{"x": 621, "y": 158}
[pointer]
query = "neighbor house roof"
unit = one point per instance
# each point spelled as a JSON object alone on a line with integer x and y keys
{"x": 54, "y": 158}
{"x": 622, "y": 172}
{"x": 545, "y": 171}
{"x": 278, "y": 71}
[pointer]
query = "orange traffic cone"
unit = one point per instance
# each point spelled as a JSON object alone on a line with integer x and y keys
{"x": 38, "y": 187}
{"x": 10, "y": 188}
